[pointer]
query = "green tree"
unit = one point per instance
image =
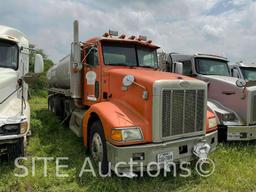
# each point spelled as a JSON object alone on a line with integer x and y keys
{"x": 39, "y": 88}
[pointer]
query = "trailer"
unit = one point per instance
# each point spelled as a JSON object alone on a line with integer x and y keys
{"x": 111, "y": 92}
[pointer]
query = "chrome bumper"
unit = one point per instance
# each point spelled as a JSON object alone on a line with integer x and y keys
{"x": 182, "y": 151}
{"x": 241, "y": 133}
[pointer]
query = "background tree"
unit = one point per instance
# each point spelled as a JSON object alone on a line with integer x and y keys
{"x": 39, "y": 88}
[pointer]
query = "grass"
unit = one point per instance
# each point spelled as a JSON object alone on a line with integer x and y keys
{"x": 235, "y": 165}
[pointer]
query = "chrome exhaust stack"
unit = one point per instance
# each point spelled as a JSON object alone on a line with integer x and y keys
{"x": 76, "y": 65}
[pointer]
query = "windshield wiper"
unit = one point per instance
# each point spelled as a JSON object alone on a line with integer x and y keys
{"x": 120, "y": 64}
{"x": 146, "y": 66}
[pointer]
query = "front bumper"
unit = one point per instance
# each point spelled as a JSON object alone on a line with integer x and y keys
{"x": 10, "y": 138}
{"x": 241, "y": 133}
{"x": 182, "y": 151}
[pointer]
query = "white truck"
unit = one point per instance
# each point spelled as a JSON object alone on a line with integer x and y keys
{"x": 243, "y": 71}
{"x": 14, "y": 108}
{"x": 232, "y": 100}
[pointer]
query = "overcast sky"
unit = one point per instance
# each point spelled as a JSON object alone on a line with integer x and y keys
{"x": 223, "y": 27}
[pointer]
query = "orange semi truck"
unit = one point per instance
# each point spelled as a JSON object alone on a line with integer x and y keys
{"x": 116, "y": 99}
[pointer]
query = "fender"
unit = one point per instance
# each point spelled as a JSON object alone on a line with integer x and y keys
{"x": 116, "y": 114}
{"x": 218, "y": 109}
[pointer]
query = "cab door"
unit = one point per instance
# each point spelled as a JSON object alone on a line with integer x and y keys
{"x": 91, "y": 76}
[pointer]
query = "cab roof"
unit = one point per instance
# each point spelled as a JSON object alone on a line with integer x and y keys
{"x": 11, "y": 34}
{"x": 125, "y": 40}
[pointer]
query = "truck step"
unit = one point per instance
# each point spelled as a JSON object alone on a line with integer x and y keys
{"x": 76, "y": 122}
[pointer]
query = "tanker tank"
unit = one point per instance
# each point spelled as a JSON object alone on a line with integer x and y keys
{"x": 59, "y": 75}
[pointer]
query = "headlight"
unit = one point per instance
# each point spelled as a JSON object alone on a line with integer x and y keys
{"x": 23, "y": 127}
{"x": 212, "y": 122}
{"x": 228, "y": 117}
{"x": 126, "y": 134}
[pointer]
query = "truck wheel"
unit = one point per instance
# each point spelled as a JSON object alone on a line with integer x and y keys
{"x": 50, "y": 104}
{"x": 57, "y": 106}
{"x": 16, "y": 150}
{"x": 98, "y": 148}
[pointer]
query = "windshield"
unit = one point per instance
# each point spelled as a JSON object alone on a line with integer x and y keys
{"x": 129, "y": 55}
{"x": 249, "y": 73}
{"x": 8, "y": 54}
{"x": 212, "y": 67}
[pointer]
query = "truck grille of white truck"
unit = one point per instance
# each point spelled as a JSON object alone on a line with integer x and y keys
{"x": 182, "y": 112}
{"x": 254, "y": 109}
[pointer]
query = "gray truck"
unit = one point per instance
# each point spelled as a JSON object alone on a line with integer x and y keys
{"x": 242, "y": 71}
{"x": 232, "y": 100}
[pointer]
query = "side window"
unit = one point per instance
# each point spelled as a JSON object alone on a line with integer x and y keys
{"x": 92, "y": 58}
{"x": 187, "y": 68}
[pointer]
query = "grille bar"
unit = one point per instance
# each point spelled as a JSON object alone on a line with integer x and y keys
{"x": 254, "y": 109}
{"x": 182, "y": 112}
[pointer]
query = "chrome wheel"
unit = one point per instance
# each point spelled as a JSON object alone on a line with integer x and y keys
{"x": 97, "y": 148}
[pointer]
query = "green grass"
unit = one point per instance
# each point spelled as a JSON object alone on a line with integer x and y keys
{"x": 235, "y": 165}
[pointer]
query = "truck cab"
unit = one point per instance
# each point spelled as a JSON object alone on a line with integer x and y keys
{"x": 231, "y": 100}
{"x": 242, "y": 71}
{"x": 124, "y": 108}
{"x": 14, "y": 108}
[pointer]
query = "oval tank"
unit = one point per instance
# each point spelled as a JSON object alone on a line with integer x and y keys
{"x": 59, "y": 75}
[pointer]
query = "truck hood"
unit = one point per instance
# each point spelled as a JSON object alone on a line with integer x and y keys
{"x": 223, "y": 79}
{"x": 145, "y": 77}
{"x": 224, "y": 91}
{"x": 8, "y": 82}
{"x": 133, "y": 96}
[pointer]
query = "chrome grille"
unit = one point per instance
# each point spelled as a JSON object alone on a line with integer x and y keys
{"x": 182, "y": 112}
{"x": 254, "y": 109}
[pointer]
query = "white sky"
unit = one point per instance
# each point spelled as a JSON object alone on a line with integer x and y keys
{"x": 224, "y": 27}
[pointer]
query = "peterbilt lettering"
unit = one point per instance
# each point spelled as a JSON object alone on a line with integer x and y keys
{"x": 124, "y": 107}
{"x": 231, "y": 100}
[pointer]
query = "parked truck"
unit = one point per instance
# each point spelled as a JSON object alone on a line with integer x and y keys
{"x": 124, "y": 107}
{"x": 14, "y": 108}
{"x": 233, "y": 101}
{"x": 243, "y": 71}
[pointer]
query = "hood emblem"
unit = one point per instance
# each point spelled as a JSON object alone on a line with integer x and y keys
{"x": 185, "y": 84}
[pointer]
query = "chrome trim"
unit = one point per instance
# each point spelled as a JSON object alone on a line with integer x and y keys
{"x": 158, "y": 87}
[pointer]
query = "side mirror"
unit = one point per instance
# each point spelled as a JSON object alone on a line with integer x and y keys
{"x": 39, "y": 64}
{"x": 178, "y": 68}
{"x": 235, "y": 73}
{"x": 240, "y": 83}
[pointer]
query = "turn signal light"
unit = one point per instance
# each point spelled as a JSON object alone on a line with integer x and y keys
{"x": 116, "y": 135}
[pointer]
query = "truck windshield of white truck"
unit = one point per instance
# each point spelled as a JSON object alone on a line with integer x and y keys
{"x": 207, "y": 66}
{"x": 8, "y": 54}
{"x": 249, "y": 73}
{"x": 129, "y": 55}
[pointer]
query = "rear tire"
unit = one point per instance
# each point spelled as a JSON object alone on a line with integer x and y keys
{"x": 50, "y": 104}
{"x": 98, "y": 147}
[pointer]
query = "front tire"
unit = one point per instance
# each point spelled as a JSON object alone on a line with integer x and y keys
{"x": 98, "y": 148}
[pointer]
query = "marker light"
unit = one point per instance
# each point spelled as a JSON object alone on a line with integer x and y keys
{"x": 132, "y": 37}
{"x": 122, "y": 36}
{"x": 105, "y": 34}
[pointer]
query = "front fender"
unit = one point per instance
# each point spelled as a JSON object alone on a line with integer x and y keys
{"x": 116, "y": 114}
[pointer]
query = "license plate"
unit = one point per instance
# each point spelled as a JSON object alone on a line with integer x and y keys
{"x": 164, "y": 157}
